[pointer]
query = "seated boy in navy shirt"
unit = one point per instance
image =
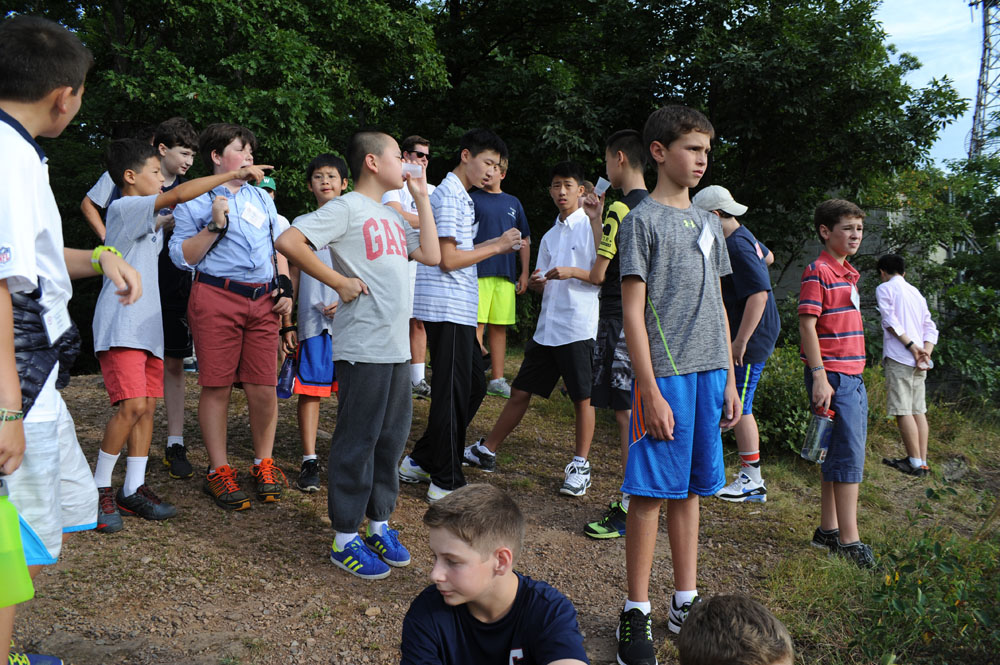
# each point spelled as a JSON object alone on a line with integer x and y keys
{"x": 479, "y": 610}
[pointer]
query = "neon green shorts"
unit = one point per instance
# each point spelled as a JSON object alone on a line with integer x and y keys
{"x": 496, "y": 301}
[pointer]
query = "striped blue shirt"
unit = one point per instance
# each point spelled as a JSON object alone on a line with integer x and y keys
{"x": 442, "y": 295}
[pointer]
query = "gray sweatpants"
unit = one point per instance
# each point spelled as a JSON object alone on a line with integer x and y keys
{"x": 374, "y": 409}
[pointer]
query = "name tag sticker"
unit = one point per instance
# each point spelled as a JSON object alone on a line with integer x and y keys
{"x": 855, "y": 297}
{"x": 56, "y": 322}
{"x": 254, "y": 215}
{"x": 706, "y": 240}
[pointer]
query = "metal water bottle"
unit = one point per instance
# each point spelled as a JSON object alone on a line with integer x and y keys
{"x": 286, "y": 377}
{"x": 818, "y": 435}
{"x": 16, "y": 587}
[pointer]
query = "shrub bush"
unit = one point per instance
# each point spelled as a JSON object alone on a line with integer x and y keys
{"x": 939, "y": 601}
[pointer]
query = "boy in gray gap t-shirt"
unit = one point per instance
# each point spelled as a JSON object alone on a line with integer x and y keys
{"x": 129, "y": 340}
{"x": 371, "y": 244}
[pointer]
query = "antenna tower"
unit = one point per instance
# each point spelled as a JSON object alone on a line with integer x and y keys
{"x": 985, "y": 136}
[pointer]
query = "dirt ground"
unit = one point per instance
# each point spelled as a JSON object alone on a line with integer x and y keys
{"x": 211, "y": 587}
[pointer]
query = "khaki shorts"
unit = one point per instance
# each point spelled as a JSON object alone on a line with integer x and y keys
{"x": 904, "y": 388}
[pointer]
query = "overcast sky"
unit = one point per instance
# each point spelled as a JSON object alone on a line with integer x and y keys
{"x": 947, "y": 38}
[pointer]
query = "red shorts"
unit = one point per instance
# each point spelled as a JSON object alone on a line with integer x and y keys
{"x": 130, "y": 373}
{"x": 235, "y": 338}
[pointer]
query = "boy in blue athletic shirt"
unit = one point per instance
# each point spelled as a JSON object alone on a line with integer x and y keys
{"x": 479, "y": 610}
{"x": 673, "y": 256}
{"x": 497, "y": 211}
{"x": 754, "y": 325}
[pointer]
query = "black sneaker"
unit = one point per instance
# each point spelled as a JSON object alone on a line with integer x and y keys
{"x": 176, "y": 461}
{"x": 826, "y": 540}
{"x": 679, "y": 614}
{"x": 903, "y": 464}
{"x": 859, "y": 553}
{"x": 109, "y": 520}
{"x": 145, "y": 504}
{"x": 308, "y": 480}
{"x": 479, "y": 456}
{"x": 635, "y": 638}
{"x": 612, "y": 525}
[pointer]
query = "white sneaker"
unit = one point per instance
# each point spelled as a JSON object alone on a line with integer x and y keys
{"x": 498, "y": 387}
{"x": 435, "y": 493}
{"x": 479, "y": 456}
{"x": 577, "y": 479}
{"x": 743, "y": 488}
{"x": 409, "y": 472}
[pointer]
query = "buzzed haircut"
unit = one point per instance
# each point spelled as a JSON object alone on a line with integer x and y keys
{"x": 892, "y": 264}
{"x": 733, "y": 630}
{"x": 367, "y": 142}
{"x": 37, "y": 56}
{"x": 411, "y": 142}
{"x": 830, "y": 212}
{"x": 669, "y": 123}
{"x": 568, "y": 170}
{"x": 480, "y": 140}
{"x": 482, "y": 516}
{"x": 128, "y": 155}
{"x": 176, "y": 132}
{"x": 217, "y": 136}
{"x": 629, "y": 142}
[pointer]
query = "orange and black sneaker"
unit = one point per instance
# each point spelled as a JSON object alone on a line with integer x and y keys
{"x": 268, "y": 486}
{"x": 221, "y": 486}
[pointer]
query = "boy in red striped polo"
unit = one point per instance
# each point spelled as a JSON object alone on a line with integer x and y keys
{"x": 833, "y": 348}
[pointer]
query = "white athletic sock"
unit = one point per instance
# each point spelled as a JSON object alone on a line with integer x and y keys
{"x": 342, "y": 540}
{"x": 175, "y": 441}
{"x": 644, "y": 606}
{"x": 681, "y": 597}
{"x": 306, "y": 458}
{"x": 257, "y": 461}
{"x": 579, "y": 461}
{"x": 416, "y": 373}
{"x": 916, "y": 462}
{"x": 625, "y": 499}
{"x": 135, "y": 474}
{"x": 377, "y": 527}
{"x": 105, "y": 465}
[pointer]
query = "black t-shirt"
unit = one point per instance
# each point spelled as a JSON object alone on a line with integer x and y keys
{"x": 750, "y": 276}
{"x": 175, "y": 284}
{"x": 611, "y": 289}
{"x": 540, "y": 628}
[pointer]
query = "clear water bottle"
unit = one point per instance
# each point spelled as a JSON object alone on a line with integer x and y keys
{"x": 286, "y": 377}
{"x": 16, "y": 587}
{"x": 818, "y": 435}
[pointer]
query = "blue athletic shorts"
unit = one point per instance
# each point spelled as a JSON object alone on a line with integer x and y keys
{"x": 747, "y": 377}
{"x": 845, "y": 460}
{"x": 315, "y": 374}
{"x": 692, "y": 462}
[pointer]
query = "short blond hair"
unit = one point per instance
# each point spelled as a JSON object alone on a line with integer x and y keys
{"x": 482, "y": 516}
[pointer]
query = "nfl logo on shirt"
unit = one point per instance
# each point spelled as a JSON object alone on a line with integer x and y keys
{"x": 4, "y": 254}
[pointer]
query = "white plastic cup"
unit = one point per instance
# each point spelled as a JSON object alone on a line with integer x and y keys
{"x": 601, "y": 186}
{"x": 415, "y": 170}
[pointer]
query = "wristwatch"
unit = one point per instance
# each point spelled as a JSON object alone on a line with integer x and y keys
{"x": 214, "y": 228}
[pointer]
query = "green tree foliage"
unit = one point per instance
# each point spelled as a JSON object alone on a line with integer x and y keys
{"x": 805, "y": 95}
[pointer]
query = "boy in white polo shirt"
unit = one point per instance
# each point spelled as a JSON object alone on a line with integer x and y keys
{"x": 564, "y": 337}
